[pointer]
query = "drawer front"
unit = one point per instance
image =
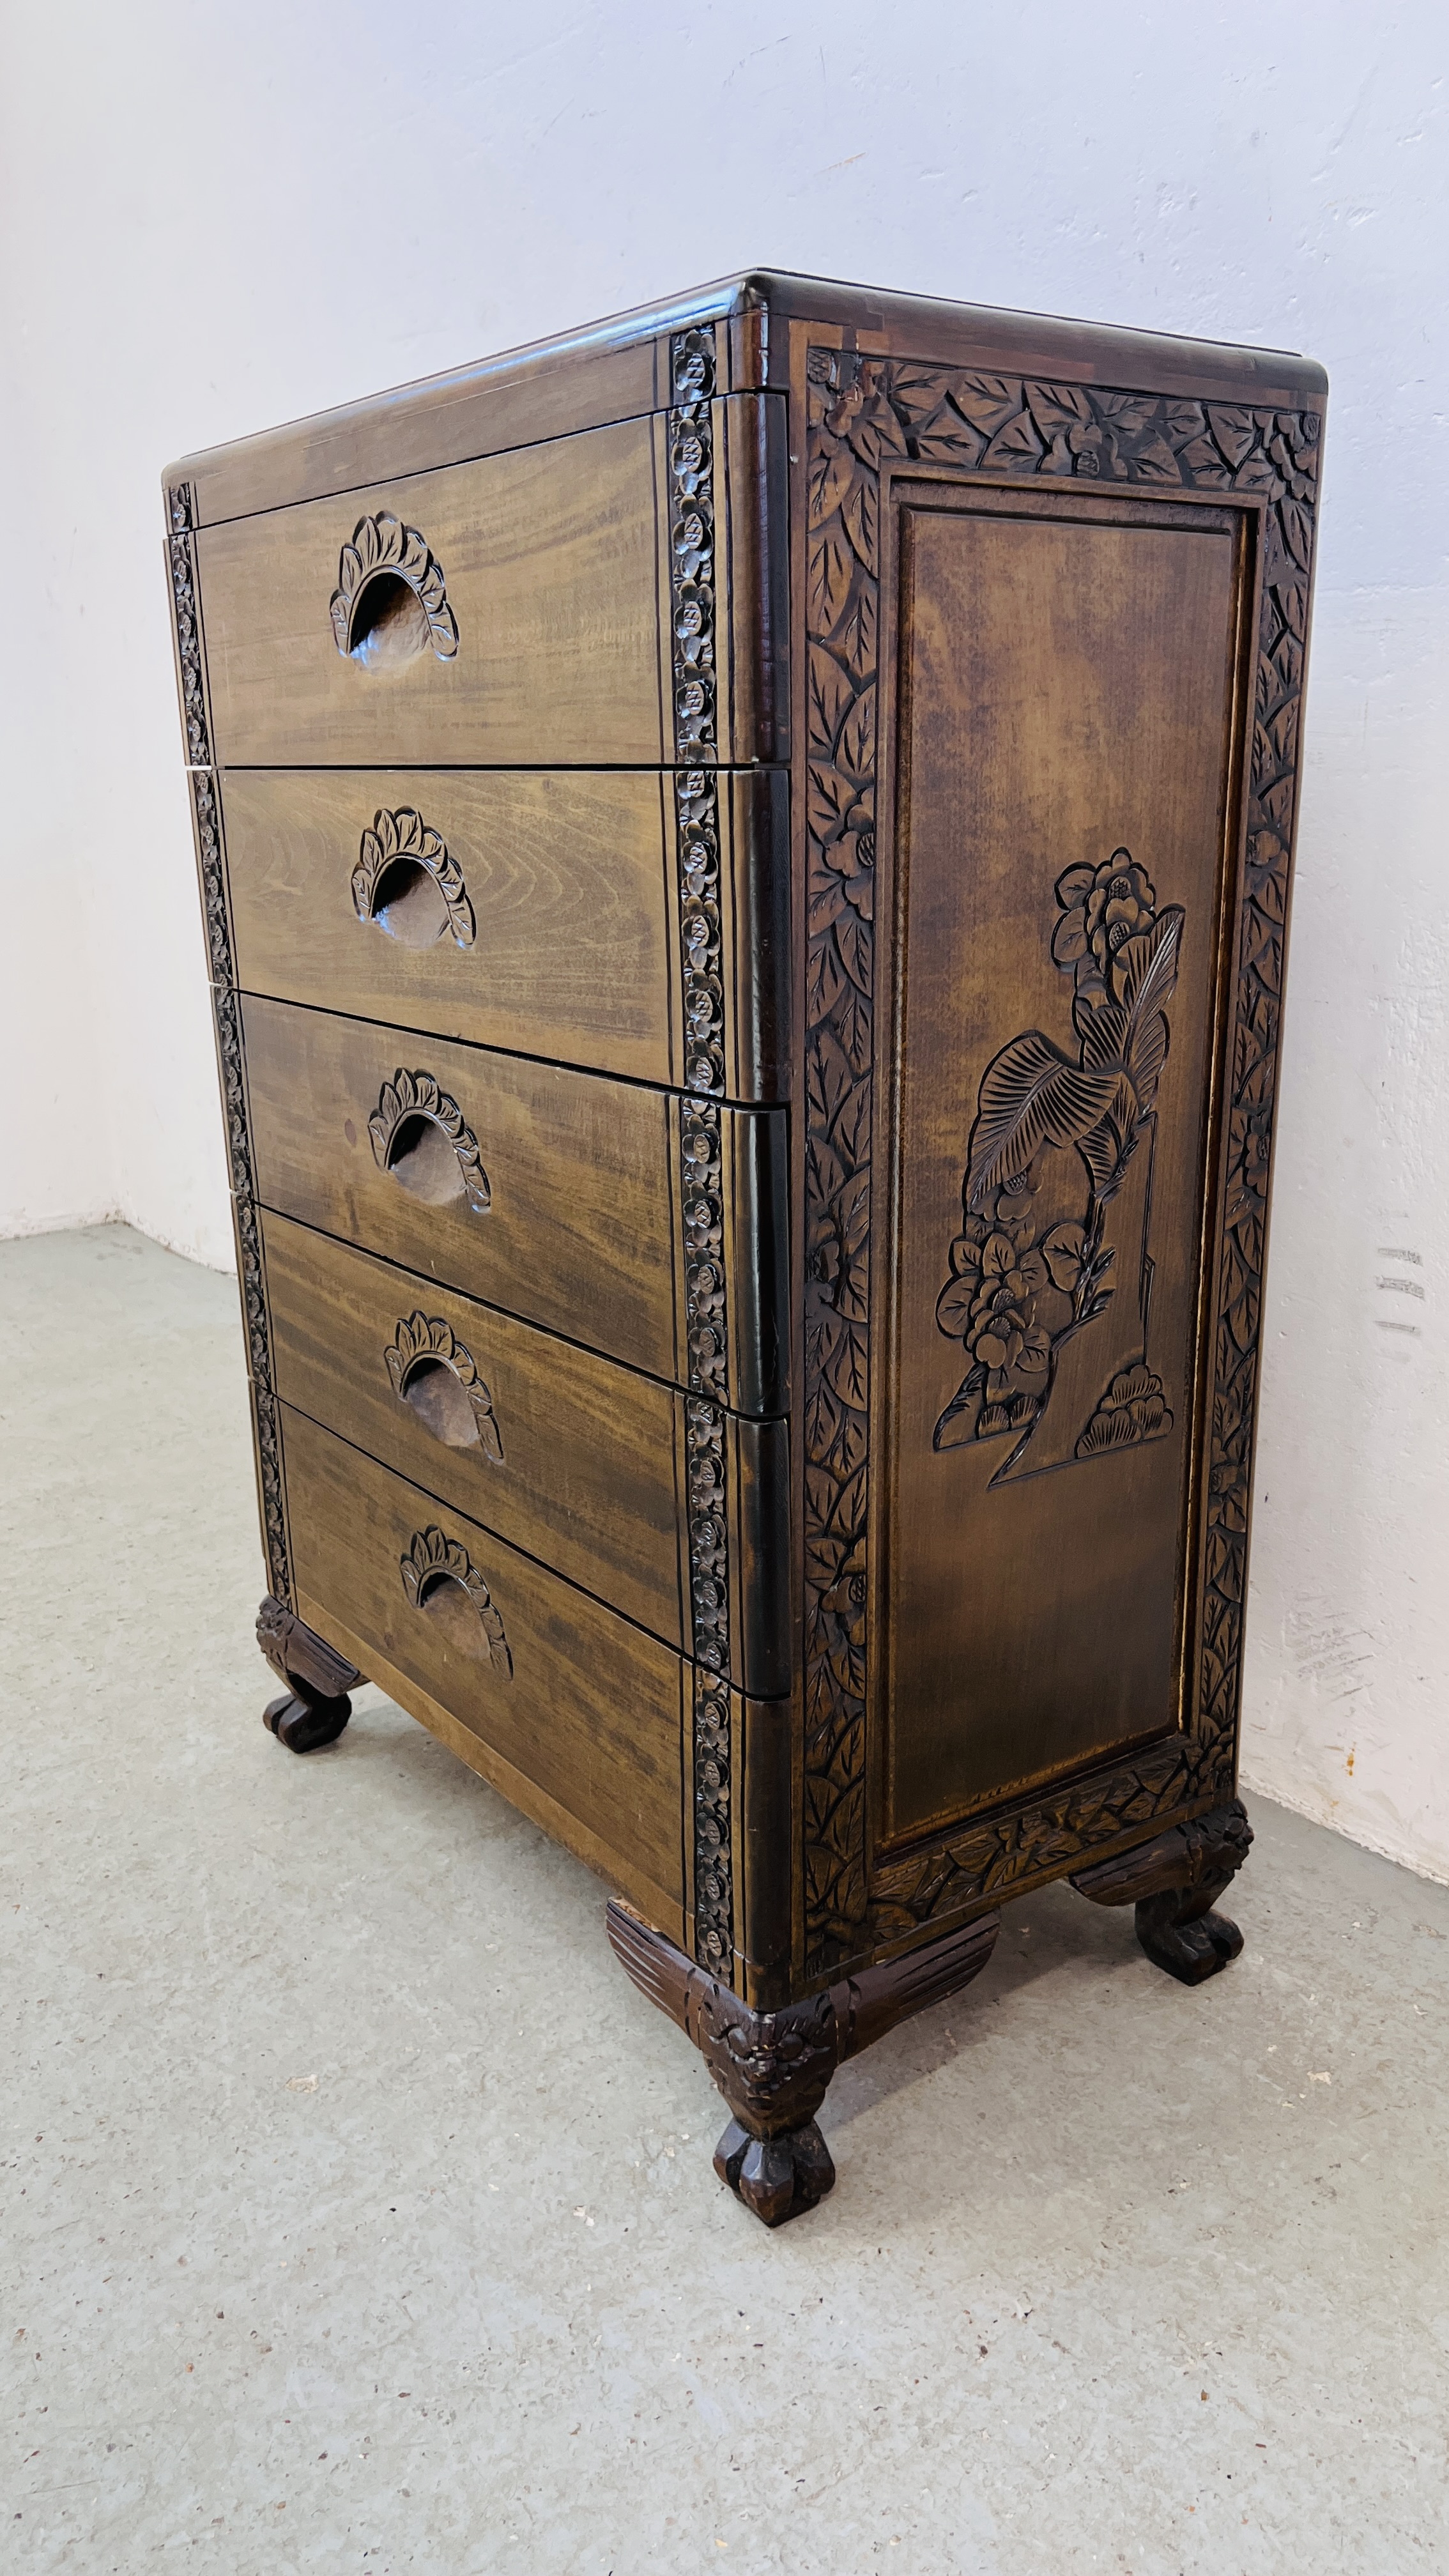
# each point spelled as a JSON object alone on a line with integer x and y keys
{"x": 507, "y": 611}
{"x": 573, "y": 1459}
{"x": 522, "y": 911}
{"x": 546, "y": 912}
{"x": 583, "y": 1464}
{"x": 555, "y": 1194}
{"x": 568, "y": 1694}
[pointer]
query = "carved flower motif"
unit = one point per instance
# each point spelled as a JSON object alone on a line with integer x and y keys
{"x": 692, "y": 547}
{"x": 1294, "y": 457}
{"x": 1102, "y": 907}
{"x": 837, "y": 1250}
{"x": 851, "y": 858}
{"x": 1006, "y": 1301}
{"x": 693, "y": 624}
{"x": 689, "y": 460}
{"x": 825, "y": 1250}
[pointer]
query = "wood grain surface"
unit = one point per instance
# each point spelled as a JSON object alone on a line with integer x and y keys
{"x": 550, "y": 559}
{"x": 509, "y": 401}
{"x": 746, "y": 862}
{"x": 584, "y": 1467}
{"x": 580, "y": 1231}
{"x": 569, "y": 944}
{"x": 1067, "y": 670}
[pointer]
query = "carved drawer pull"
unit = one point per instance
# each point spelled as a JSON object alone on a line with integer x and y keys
{"x": 441, "y": 1579}
{"x": 437, "y": 1378}
{"x": 407, "y": 881}
{"x": 420, "y": 1136}
{"x": 391, "y": 601}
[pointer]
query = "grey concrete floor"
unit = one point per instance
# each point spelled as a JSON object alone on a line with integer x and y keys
{"x": 359, "y": 2213}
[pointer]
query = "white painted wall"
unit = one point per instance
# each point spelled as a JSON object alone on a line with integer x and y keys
{"x": 219, "y": 217}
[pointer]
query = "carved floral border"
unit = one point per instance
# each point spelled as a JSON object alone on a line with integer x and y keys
{"x": 692, "y": 379}
{"x": 864, "y": 415}
{"x": 211, "y": 867}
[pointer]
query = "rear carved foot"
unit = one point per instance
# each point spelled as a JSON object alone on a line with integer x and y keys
{"x": 1174, "y": 1882}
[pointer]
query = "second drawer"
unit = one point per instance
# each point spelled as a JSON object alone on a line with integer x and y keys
{"x": 584, "y": 1465}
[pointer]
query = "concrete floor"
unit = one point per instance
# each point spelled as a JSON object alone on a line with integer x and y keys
{"x": 359, "y": 2213}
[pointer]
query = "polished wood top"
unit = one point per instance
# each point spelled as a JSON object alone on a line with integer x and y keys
{"x": 619, "y": 367}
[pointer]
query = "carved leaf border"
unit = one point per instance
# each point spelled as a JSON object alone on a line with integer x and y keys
{"x": 693, "y": 377}
{"x": 865, "y": 414}
{"x": 226, "y": 1013}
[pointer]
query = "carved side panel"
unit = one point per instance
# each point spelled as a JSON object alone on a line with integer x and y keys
{"x": 866, "y": 415}
{"x": 211, "y": 870}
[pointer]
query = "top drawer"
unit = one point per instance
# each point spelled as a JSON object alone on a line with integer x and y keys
{"x": 518, "y": 610}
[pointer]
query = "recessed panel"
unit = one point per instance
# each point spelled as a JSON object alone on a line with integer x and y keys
{"x": 1066, "y": 690}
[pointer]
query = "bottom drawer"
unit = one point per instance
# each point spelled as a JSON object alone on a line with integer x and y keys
{"x": 577, "y": 1703}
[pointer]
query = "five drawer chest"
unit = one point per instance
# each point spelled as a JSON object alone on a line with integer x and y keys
{"x": 745, "y": 858}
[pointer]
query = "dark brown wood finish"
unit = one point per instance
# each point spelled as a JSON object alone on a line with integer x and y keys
{"x": 1174, "y": 1883}
{"x": 578, "y": 1462}
{"x": 552, "y": 1193}
{"x": 874, "y": 422}
{"x": 774, "y": 2068}
{"x": 757, "y": 1349}
{"x": 538, "y": 911}
{"x": 1068, "y": 669}
{"x": 513, "y": 610}
{"x": 315, "y": 1705}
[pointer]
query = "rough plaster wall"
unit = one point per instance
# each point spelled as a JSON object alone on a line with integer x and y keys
{"x": 220, "y": 218}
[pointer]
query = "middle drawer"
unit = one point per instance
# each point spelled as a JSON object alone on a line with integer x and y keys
{"x": 583, "y": 1465}
{"x": 648, "y": 1225}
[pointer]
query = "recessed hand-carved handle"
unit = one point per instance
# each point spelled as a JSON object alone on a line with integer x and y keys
{"x": 441, "y": 1579}
{"x": 407, "y": 881}
{"x": 437, "y": 1377}
{"x": 391, "y": 601}
{"x": 420, "y": 1136}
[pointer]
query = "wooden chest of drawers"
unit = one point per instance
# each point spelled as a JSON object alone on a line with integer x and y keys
{"x": 745, "y": 858}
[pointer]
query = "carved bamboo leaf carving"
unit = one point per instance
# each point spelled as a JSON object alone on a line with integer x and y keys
{"x": 1031, "y": 1095}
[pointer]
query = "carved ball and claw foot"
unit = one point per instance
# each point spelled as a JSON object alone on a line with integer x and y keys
{"x": 774, "y": 2068}
{"x": 1174, "y": 1882}
{"x": 314, "y": 1707}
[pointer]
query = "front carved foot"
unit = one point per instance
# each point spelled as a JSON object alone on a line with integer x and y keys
{"x": 1174, "y": 1883}
{"x": 774, "y": 2068}
{"x": 775, "y": 2177}
{"x": 314, "y": 1708}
